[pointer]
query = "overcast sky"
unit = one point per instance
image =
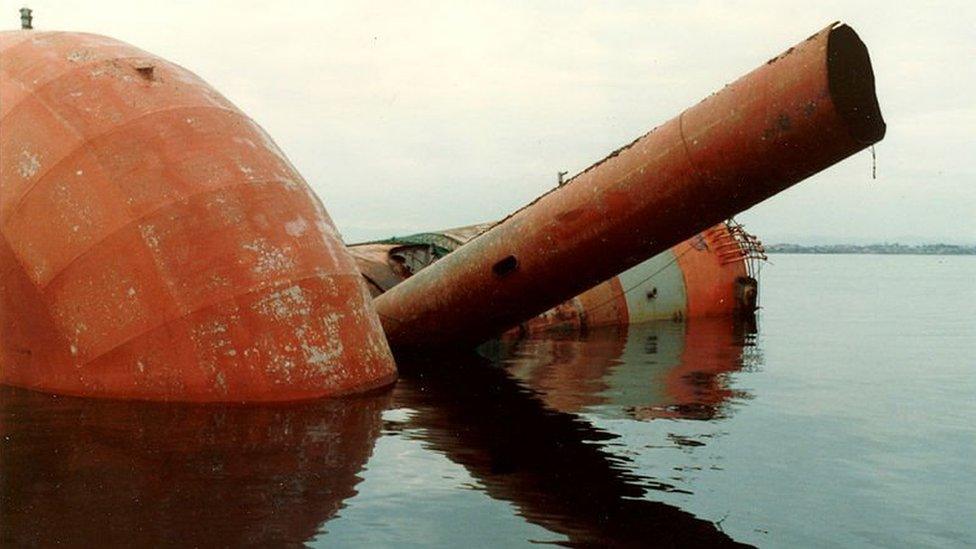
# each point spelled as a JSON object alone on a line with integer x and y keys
{"x": 412, "y": 116}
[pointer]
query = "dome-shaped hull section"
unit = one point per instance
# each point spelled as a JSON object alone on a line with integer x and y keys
{"x": 156, "y": 244}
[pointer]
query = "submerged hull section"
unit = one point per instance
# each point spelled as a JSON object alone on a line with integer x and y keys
{"x": 708, "y": 275}
{"x": 156, "y": 244}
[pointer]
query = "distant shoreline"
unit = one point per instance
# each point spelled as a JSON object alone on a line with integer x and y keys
{"x": 874, "y": 249}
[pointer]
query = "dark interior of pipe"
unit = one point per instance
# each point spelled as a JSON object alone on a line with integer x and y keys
{"x": 852, "y": 85}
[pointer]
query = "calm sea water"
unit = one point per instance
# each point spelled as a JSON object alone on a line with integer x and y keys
{"x": 847, "y": 417}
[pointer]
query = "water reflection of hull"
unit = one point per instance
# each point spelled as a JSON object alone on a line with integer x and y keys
{"x": 659, "y": 369}
{"x": 82, "y": 471}
{"x": 550, "y": 464}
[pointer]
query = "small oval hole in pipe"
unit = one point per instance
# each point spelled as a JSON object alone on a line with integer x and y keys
{"x": 506, "y": 266}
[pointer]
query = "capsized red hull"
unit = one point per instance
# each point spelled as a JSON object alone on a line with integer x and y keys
{"x": 710, "y": 275}
{"x": 156, "y": 244}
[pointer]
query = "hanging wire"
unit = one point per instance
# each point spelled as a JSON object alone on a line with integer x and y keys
{"x": 874, "y": 164}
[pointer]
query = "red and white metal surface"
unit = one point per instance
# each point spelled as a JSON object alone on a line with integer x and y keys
{"x": 711, "y": 274}
{"x": 701, "y": 277}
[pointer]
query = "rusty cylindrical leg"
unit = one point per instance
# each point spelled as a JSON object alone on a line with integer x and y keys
{"x": 795, "y": 115}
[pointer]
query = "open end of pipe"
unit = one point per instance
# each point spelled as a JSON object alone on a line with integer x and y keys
{"x": 851, "y": 82}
